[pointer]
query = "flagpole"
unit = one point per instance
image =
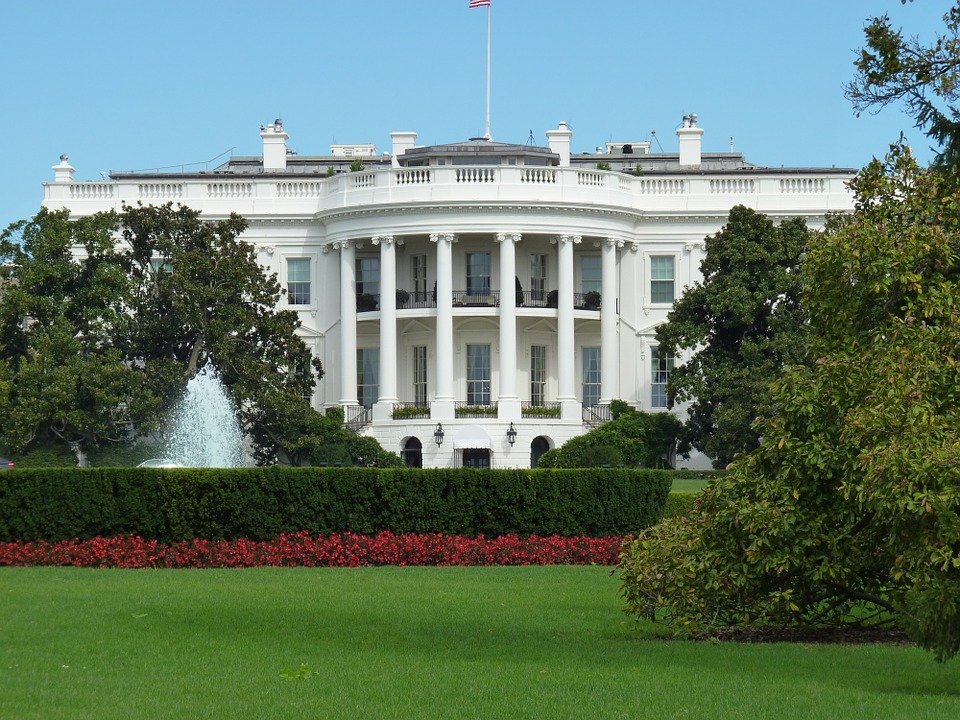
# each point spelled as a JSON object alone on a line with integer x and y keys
{"x": 488, "y": 73}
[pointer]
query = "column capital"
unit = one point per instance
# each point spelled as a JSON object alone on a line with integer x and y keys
{"x": 508, "y": 237}
{"x": 386, "y": 240}
{"x": 695, "y": 245}
{"x": 341, "y": 245}
{"x": 438, "y": 237}
{"x": 611, "y": 242}
{"x": 565, "y": 239}
{"x": 634, "y": 247}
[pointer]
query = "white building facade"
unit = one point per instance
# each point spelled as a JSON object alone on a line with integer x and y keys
{"x": 480, "y": 302}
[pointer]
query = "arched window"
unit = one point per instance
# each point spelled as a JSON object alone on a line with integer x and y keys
{"x": 538, "y": 447}
{"x": 413, "y": 453}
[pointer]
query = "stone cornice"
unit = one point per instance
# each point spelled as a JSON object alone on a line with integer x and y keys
{"x": 480, "y": 208}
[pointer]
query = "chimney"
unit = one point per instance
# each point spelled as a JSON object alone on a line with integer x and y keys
{"x": 689, "y": 135}
{"x": 274, "y": 146}
{"x": 402, "y": 141}
{"x": 63, "y": 172}
{"x": 559, "y": 142}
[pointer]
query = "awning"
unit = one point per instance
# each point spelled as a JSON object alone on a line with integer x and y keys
{"x": 472, "y": 437}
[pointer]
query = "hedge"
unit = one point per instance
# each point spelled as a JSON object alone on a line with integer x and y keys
{"x": 261, "y": 503}
{"x": 679, "y": 505}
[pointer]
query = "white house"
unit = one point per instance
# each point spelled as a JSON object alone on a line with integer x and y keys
{"x": 479, "y": 302}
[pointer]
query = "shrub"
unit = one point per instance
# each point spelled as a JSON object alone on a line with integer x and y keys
{"x": 261, "y": 503}
{"x": 679, "y": 505}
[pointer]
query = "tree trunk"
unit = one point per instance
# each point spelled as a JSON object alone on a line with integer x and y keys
{"x": 79, "y": 453}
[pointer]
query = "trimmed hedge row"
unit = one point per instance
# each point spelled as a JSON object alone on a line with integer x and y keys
{"x": 261, "y": 503}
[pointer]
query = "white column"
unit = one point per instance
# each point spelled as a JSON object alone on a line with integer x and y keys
{"x": 609, "y": 347}
{"x": 348, "y": 324}
{"x": 442, "y": 407}
{"x": 508, "y": 403}
{"x": 570, "y": 408}
{"x": 388, "y": 327}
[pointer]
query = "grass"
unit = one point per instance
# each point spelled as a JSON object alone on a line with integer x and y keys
{"x": 688, "y": 485}
{"x": 530, "y": 642}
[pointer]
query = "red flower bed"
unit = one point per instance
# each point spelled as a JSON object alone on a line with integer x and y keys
{"x": 302, "y": 550}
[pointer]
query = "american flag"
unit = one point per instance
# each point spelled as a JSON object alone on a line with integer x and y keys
{"x": 479, "y": 3}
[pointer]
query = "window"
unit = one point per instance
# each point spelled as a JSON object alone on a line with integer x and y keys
{"x": 368, "y": 276}
{"x": 660, "y": 370}
{"x": 368, "y": 376}
{"x": 418, "y": 271}
{"x": 420, "y": 375}
{"x": 156, "y": 265}
{"x": 301, "y": 371}
{"x": 590, "y": 274}
{"x": 298, "y": 281}
{"x": 538, "y": 374}
{"x": 478, "y": 273}
{"x": 476, "y": 458}
{"x": 478, "y": 374}
{"x": 661, "y": 278}
{"x": 538, "y": 278}
{"x": 591, "y": 376}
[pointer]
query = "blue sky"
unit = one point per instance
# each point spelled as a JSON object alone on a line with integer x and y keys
{"x": 135, "y": 85}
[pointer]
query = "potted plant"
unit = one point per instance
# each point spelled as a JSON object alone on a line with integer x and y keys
{"x": 366, "y": 302}
{"x": 402, "y": 297}
{"x": 591, "y": 300}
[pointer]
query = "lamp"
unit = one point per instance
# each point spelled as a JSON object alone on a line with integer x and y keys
{"x": 438, "y": 435}
{"x": 511, "y": 434}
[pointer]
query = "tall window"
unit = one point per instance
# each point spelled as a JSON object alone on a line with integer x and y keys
{"x": 478, "y": 374}
{"x": 661, "y": 278}
{"x": 591, "y": 376}
{"x": 420, "y": 375}
{"x": 368, "y": 376}
{"x": 298, "y": 281}
{"x": 368, "y": 276}
{"x": 478, "y": 273}
{"x": 538, "y": 277}
{"x": 590, "y": 280}
{"x": 157, "y": 264}
{"x": 660, "y": 370}
{"x": 301, "y": 371}
{"x": 538, "y": 374}
{"x": 418, "y": 271}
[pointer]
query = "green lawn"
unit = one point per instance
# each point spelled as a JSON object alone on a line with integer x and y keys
{"x": 688, "y": 485}
{"x": 459, "y": 643}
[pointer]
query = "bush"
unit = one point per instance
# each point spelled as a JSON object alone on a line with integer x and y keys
{"x": 261, "y": 503}
{"x": 47, "y": 456}
{"x": 638, "y": 439}
{"x": 679, "y": 505}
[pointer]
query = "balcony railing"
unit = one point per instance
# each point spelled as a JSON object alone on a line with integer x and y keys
{"x": 462, "y": 298}
{"x": 586, "y": 301}
{"x": 355, "y": 417}
{"x": 466, "y": 410}
{"x": 406, "y": 300}
{"x": 594, "y": 415}
{"x": 410, "y": 411}
{"x": 539, "y": 409}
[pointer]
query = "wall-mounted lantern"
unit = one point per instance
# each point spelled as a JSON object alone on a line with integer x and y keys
{"x": 438, "y": 435}
{"x": 511, "y": 434}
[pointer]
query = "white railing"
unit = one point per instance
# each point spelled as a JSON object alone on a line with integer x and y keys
{"x": 590, "y": 178}
{"x": 669, "y": 186}
{"x": 478, "y": 174}
{"x": 159, "y": 191}
{"x": 364, "y": 179}
{"x": 299, "y": 189}
{"x": 91, "y": 191}
{"x": 230, "y": 190}
{"x": 726, "y": 186}
{"x": 803, "y": 185}
{"x": 412, "y": 176}
{"x": 766, "y": 191}
{"x": 538, "y": 175}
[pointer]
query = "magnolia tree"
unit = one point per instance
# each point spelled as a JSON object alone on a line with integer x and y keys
{"x": 849, "y": 510}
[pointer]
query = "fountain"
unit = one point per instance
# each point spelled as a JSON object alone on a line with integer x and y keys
{"x": 204, "y": 431}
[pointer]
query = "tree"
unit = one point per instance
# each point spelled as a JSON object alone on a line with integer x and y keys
{"x": 198, "y": 295}
{"x": 849, "y": 510}
{"x": 741, "y": 323}
{"x": 631, "y": 438}
{"x": 62, "y": 377}
{"x": 892, "y": 68}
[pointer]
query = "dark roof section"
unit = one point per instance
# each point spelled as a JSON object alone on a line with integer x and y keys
{"x": 476, "y": 150}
